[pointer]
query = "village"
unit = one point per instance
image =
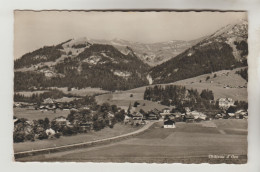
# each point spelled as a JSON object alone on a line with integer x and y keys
{"x": 85, "y": 116}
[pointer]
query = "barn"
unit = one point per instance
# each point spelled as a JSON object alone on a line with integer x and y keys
{"x": 169, "y": 124}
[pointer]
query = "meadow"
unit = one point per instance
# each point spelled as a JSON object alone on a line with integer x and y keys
{"x": 32, "y": 114}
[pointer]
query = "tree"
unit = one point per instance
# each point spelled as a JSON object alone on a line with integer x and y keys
{"x": 207, "y": 94}
{"x": 129, "y": 108}
{"x": 120, "y": 116}
{"x": 136, "y": 104}
{"x": 231, "y": 109}
{"x": 18, "y": 137}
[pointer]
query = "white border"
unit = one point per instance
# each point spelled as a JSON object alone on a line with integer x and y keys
{"x": 6, "y": 86}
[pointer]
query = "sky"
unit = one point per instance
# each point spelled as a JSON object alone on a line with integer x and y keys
{"x": 35, "y": 29}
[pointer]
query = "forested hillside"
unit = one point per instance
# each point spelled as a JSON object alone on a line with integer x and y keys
{"x": 225, "y": 49}
{"x": 101, "y": 66}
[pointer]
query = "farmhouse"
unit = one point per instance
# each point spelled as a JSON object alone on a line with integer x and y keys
{"x": 169, "y": 124}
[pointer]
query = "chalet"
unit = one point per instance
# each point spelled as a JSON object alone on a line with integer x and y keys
{"x": 169, "y": 124}
{"x": 152, "y": 116}
{"x": 225, "y": 103}
{"x": 137, "y": 116}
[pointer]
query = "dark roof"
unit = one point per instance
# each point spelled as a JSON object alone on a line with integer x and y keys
{"x": 169, "y": 122}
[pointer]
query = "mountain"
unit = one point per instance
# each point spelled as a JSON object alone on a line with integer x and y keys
{"x": 227, "y": 48}
{"x": 150, "y": 53}
{"x": 80, "y": 65}
{"x": 120, "y": 65}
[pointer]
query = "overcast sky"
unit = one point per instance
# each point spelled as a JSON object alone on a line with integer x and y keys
{"x": 33, "y": 30}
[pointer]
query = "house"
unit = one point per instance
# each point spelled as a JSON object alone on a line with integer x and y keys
{"x": 197, "y": 115}
{"x": 110, "y": 115}
{"x": 231, "y": 115}
{"x": 169, "y": 124}
{"x": 137, "y": 116}
{"x": 127, "y": 119}
{"x": 152, "y": 116}
{"x": 48, "y": 101}
{"x": 166, "y": 112}
{"x": 225, "y": 103}
{"x": 61, "y": 121}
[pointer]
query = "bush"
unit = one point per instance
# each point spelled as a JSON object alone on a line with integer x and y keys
{"x": 131, "y": 95}
{"x": 29, "y": 137}
{"x": 68, "y": 131}
{"x": 43, "y": 135}
{"x": 57, "y": 135}
{"x": 208, "y": 77}
{"x": 18, "y": 137}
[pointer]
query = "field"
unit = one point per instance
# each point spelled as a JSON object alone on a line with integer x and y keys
{"x": 117, "y": 130}
{"x": 123, "y": 100}
{"x": 32, "y": 114}
{"x": 81, "y": 92}
{"x": 188, "y": 143}
{"x": 74, "y": 91}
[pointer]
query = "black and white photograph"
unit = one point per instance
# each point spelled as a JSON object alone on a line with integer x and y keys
{"x": 130, "y": 86}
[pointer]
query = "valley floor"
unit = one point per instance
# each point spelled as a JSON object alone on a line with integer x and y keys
{"x": 187, "y": 143}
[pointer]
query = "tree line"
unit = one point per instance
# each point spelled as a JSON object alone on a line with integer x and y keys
{"x": 179, "y": 96}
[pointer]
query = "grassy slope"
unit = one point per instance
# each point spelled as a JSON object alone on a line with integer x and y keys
{"x": 224, "y": 77}
{"x": 123, "y": 99}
